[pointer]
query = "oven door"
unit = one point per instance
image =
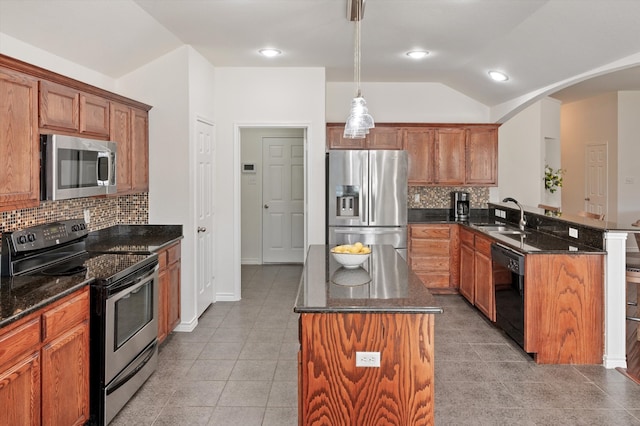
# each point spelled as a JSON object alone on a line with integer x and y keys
{"x": 131, "y": 320}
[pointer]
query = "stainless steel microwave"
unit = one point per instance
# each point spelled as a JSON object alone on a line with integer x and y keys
{"x": 73, "y": 167}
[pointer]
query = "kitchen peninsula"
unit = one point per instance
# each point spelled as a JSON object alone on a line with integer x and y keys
{"x": 366, "y": 341}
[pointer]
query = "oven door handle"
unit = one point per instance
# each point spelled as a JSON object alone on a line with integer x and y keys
{"x": 119, "y": 291}
{"x": 119, "y": 383}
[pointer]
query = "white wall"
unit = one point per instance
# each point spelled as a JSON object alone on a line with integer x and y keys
{"x": 593, "y": 120}
{"x": 628, "y": 157}
{"x": 251, "y": 188}
{"x": 406, "y": 103}
{"x": 179, "y": 86}
{"x": 263, "y": 97}
{"x": 33, "y": 55}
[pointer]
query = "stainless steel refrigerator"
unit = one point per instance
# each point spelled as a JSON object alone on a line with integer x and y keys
{"x": 367, "y": 197}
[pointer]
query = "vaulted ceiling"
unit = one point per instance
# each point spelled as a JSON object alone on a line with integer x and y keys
{"x": 538, "y": 43}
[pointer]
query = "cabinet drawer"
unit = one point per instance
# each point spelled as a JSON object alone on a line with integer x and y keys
{"x": 433, "y": 232}
{"x": 467, "y": 238}
{"x": 483, "y": 245}
{"x": 429, "y": 247}
{"x": 429, "y": 264}
{"x": 434, "y": 280}
{"x": 173, "y": 253}
{"x": 66, "y": 315}
{"x": 19, "y": 340}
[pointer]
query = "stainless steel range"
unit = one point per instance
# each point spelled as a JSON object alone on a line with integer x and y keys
{"x": 124, "y": 305}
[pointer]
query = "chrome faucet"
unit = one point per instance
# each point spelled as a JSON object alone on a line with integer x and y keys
{"x": 522, "y": 222}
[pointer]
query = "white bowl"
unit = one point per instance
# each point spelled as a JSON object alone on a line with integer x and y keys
{"x": 350, "y": 260}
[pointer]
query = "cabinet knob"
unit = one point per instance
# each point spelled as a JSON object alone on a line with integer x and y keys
{"x": 202, "y": 229}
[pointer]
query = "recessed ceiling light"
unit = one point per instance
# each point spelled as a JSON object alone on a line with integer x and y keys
{"x": 498, "y": 76}
{"x": 417, "y": 54}
{"x": 269, "y": 53}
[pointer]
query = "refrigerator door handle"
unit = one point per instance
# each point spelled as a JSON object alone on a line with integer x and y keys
{"x": 364, "y": 171}
{"x": 373, "y": 175}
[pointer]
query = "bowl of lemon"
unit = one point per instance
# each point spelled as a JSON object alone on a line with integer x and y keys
{"x": 351, "y": 256}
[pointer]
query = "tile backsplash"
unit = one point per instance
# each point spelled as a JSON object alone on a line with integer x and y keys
{"x": 103, "y": 212}
{"x": 439, "y": 197}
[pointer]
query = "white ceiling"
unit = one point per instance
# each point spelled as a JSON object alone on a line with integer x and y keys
{"x": 538, "y": 43}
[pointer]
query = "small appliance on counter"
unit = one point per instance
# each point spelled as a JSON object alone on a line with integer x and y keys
{"x": 460, "y": 205}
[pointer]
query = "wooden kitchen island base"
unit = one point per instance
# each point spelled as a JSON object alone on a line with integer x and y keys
{"x": 333, "y": 391}
{"x": 366, "y": 342}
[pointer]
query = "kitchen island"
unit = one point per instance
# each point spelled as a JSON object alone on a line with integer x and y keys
{"x": 366, "y": 342}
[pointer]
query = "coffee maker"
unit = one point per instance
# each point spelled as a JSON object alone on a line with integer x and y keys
{"x": 460, "y": 205}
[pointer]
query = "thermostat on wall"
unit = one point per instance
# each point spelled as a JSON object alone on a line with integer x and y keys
{"x": 248, "y": 167}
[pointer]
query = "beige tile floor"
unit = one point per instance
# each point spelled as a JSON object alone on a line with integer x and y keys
{"x": 238, "y": 367}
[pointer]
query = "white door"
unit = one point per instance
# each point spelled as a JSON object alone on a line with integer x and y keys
{"x": 595, "y": 200}
{"x": 205, "y": 255}
{"x": 283, "y": 200}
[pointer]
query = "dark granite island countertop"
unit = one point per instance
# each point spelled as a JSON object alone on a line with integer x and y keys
{"x": 366, "y": 341}
{"x": 383, "y": 283}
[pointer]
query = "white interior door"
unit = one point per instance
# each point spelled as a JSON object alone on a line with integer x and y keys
{"x": 595, "y": 200}
{"x": 283, "y": 200}
{"x": 205, "y": 255}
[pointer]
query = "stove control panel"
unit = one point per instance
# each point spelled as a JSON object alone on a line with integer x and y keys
{"x": 47, "y": 235}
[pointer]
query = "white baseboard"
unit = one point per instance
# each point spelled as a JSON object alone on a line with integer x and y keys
{"x": 250, "y": 262}
{"x": 186, "y": 326}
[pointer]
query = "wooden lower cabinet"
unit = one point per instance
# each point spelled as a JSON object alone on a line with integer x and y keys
{"x": 564, "y": 308}
{"x": 44, "y": 365}
{"x": 476, "y": 272}
{"x": 333, "y": 391}
{"x": 169, "y": 290}
{"x": 433, "y": 255}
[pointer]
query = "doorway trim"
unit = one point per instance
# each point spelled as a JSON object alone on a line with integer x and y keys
{"x": 237, "y": 174}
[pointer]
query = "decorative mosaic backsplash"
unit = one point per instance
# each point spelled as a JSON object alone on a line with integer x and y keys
{"x": 439, "y": 197}
{"x": 103, "y": 212}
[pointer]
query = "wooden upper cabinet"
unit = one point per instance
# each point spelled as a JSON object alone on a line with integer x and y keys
{"x": 336, "y": 140}
{"x": 482, "y": 156}
{"x": 450, "y": 156}
{"x": 19, "y": 146}
{"x": 419, "y": 144}
{"x": 121, "y": 134}
{"x": 94, "y": 115}
{"x": 59, "y": 107}
{"x": 139, "y": 150}
{"x": 382, "y": 137}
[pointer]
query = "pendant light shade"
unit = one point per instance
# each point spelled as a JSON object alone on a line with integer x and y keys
{"x": 359, "y": 121}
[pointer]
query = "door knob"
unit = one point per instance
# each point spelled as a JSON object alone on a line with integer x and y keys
{"x": 587, "y": 199}
{"x": 266, "y": 206}
{"x": 202, "y": 229}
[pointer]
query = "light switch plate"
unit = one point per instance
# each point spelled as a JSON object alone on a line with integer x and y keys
{"x": 573, "y": 232}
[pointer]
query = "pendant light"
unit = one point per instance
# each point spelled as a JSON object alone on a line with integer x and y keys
{"x": 359, "y": 121}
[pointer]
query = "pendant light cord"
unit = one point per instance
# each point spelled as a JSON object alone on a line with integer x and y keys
{"x": 357, "y": 51}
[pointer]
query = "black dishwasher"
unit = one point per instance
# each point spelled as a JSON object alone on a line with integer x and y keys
{"x": 508, "y": 273}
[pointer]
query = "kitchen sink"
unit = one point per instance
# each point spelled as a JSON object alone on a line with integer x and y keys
{"x": 500, "y": 229}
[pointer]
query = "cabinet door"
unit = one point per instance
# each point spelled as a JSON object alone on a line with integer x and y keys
{"x": 121, "y": 134}
{"x": 140, "y": 151}
{"x": 94, "y": 115}
{"x": 450, "y": 156}
{"x": 384, "y": 138}
{"x": 484, "y": 286}
{"x": 173, "y": 302}
{"x": 336, "y": 140}
{"x": 467, "y": 271}
{"x": 59, "y": 107}
{"x": 19, "y": 145}
{"x": 20, "y": 392}
{"x": 482, "y": 156}
{"x": 65, "y": 378}
{"x": 419, "y": 145}
{"x": 163, "y": 291}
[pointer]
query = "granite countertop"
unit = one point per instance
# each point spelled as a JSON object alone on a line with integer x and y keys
{"x": 534, "y": 242}
{"x": 20, "y": 296}
{"x": 133, "y": 238}
{"x": 383, "y": 283}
